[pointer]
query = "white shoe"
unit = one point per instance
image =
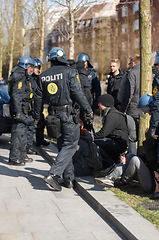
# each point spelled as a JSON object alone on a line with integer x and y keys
{"x": 104, "y": 181}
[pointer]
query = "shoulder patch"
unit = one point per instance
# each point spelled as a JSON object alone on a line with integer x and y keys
{"x": 20, "y": 85}
{"x": 155, "y": 90}
{"x": 78, "y": 78}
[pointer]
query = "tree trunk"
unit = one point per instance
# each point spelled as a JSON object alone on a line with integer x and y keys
{"x": 42, "y": 30}
{"x": 13, "y": 39}
{"x": 71, "y": 37}
{"x": 145, "y": 52}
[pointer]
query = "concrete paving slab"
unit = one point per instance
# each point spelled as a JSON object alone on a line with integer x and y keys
{"x": 16, "y": 236}
{"x": 9, "y": 193}
{"x": 64, "y": 236}
{"x": 32, "y": 205}
{"x": 127, "y": 220}
{"x": 39, "y": 222}
{"x": 34, "y": 211}
{"x": 9, "y": 223}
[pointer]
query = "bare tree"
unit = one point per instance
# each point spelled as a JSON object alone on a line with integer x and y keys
{"x": 145, "y": 52}
{"x": 13, "y": 37}
{"x": 72, "y": 6}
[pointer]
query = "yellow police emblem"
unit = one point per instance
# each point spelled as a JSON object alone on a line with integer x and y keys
{"x": 78, "y": 78}
{"x": 52, "y": 88}
{"x": 20, "y": 85}
{"x": 155, "y": 90}
{"x": 31, "y": 95}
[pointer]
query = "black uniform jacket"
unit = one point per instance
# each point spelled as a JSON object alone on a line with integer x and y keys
{"x": 20, "y": 90}
{"x": 114, "y": 127}
{"x": 83, "y": 75}
{"x": 59, "y": 86}
{"x": 114, "y": 85}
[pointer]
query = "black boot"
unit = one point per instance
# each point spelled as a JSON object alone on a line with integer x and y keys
{"x": 52, "y": 180}
{"x": 30, "y": 150}
{"x": 43, "y": 143}
{"x": 16, "y": 162}
{"x": 26, "y": 159}
{"x": 68, "y": 184}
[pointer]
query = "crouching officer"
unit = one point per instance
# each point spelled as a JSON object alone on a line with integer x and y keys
{"x": 59, "y": 87}
{"x": 20, "y": 96}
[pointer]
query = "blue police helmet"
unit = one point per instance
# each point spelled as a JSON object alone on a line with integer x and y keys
{"x": 56, "y": 53}
{"x": 157, "y": 58}
{"x": 38, "y": 62}
{"x": 83, "y": 57}
{"x": 154, "y": 59}
{"x": 145, "y": 100}
{"x": 26, "y": 62}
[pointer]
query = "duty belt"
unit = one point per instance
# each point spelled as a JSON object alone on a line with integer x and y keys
{"x": 64, "y": 108}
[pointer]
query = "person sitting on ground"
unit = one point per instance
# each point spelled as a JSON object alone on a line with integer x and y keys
{"x": 112, "y": 138}
{"x": 147, "y": 168}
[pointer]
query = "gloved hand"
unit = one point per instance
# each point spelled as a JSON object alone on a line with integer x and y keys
{"x": 151, "y": 133}
{"x": 36, "y": 121}
{"x": 20, "y": 117}
{"x": 89, "y": 118}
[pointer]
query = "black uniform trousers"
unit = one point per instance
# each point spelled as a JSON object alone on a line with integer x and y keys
{"x": 40, "y": 130}
{"x": 18, "y": 140}
{"x": 67, "y": 146}
{"x": 30, "y": 131}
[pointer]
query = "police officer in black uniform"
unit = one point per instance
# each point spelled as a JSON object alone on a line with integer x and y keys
{"x": 39, "y": 131}
{"x": 21, "y": 95}
{"x": 41, "y": 124}
{"x": 93, "y": 78}
{"x": 59, "y": 87}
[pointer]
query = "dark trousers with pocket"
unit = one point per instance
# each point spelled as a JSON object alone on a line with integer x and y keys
{"x": 67, "y": 146}
{"x": 18, "y": 141}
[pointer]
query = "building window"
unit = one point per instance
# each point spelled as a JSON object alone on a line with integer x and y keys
{"x": 136, "y": 25}
{"x": 124, "y": 28}
{"x": 53, "y": 39}
{"x": 124, "y": 12}
{"x": 88, "y": 22}
{"x": 117, "y": 14}
{"x": 136, "y": 43}
{"x": 123, "y": 46}
{"x": 59, "y": 38}
{"x": 136, "y": 7}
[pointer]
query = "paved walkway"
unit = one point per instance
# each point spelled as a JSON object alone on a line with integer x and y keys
{"x": 124, "y": 218}
{"x": 29, "y": 210}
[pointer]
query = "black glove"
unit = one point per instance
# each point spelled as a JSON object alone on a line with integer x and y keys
{"x": 20, "y": 117}
{"x": 151, "y": 133}
{"x": 89, "y": 118}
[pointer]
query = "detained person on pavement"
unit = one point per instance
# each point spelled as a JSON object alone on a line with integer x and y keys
{"x": 145, "y": 168}
{"x": 59, "y": 87}
{"x": 112, "y": 138}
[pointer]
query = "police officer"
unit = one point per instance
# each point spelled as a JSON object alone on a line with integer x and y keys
{"x": 154, "y": 60}
{"x": 34, "y": 79}
{"x": 41, "y": 124}
{"x": 21, "y": 94}
{"x": 93, "y": 79}
{"x": 59, "y": 87}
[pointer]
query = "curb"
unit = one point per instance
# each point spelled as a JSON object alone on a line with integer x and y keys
{"x": 126, "y": 220}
